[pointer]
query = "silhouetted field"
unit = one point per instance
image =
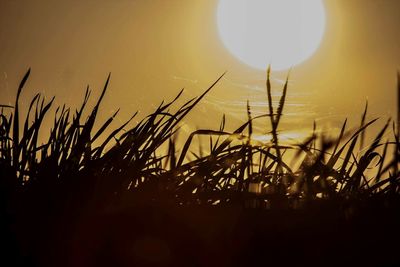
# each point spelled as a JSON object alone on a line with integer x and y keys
{"x": 90, "y": 196}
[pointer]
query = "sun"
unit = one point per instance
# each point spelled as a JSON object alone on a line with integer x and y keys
{"x": 282, "y": 33}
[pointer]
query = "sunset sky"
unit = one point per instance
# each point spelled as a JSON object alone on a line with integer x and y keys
{"x": 155, "y": 47}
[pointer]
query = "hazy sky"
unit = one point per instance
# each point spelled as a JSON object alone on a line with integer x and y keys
{"x": 155, "y": 47}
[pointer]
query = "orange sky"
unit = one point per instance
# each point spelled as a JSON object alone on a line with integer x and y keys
{"x": 155, "y": 47}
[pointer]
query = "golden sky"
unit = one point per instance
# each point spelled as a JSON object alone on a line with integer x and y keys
{"x": 155, "y": 47}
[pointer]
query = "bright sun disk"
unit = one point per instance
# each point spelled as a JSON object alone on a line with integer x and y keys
{"x": 282, "y": 33}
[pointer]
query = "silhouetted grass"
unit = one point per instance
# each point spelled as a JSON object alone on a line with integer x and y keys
{"x": 80, "y": 171}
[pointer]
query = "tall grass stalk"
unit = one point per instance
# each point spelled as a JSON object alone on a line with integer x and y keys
{"x": 69, "y": 169}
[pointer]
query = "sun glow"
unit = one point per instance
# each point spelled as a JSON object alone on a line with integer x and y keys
{"x": 282, "y": 33}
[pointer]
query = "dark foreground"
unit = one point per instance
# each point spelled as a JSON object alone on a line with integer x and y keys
{"x": 70, "y": 202}
{"x": 159, "y": 234}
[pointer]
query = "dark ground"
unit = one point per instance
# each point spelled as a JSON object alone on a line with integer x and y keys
{"x": 160, "y": 234}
